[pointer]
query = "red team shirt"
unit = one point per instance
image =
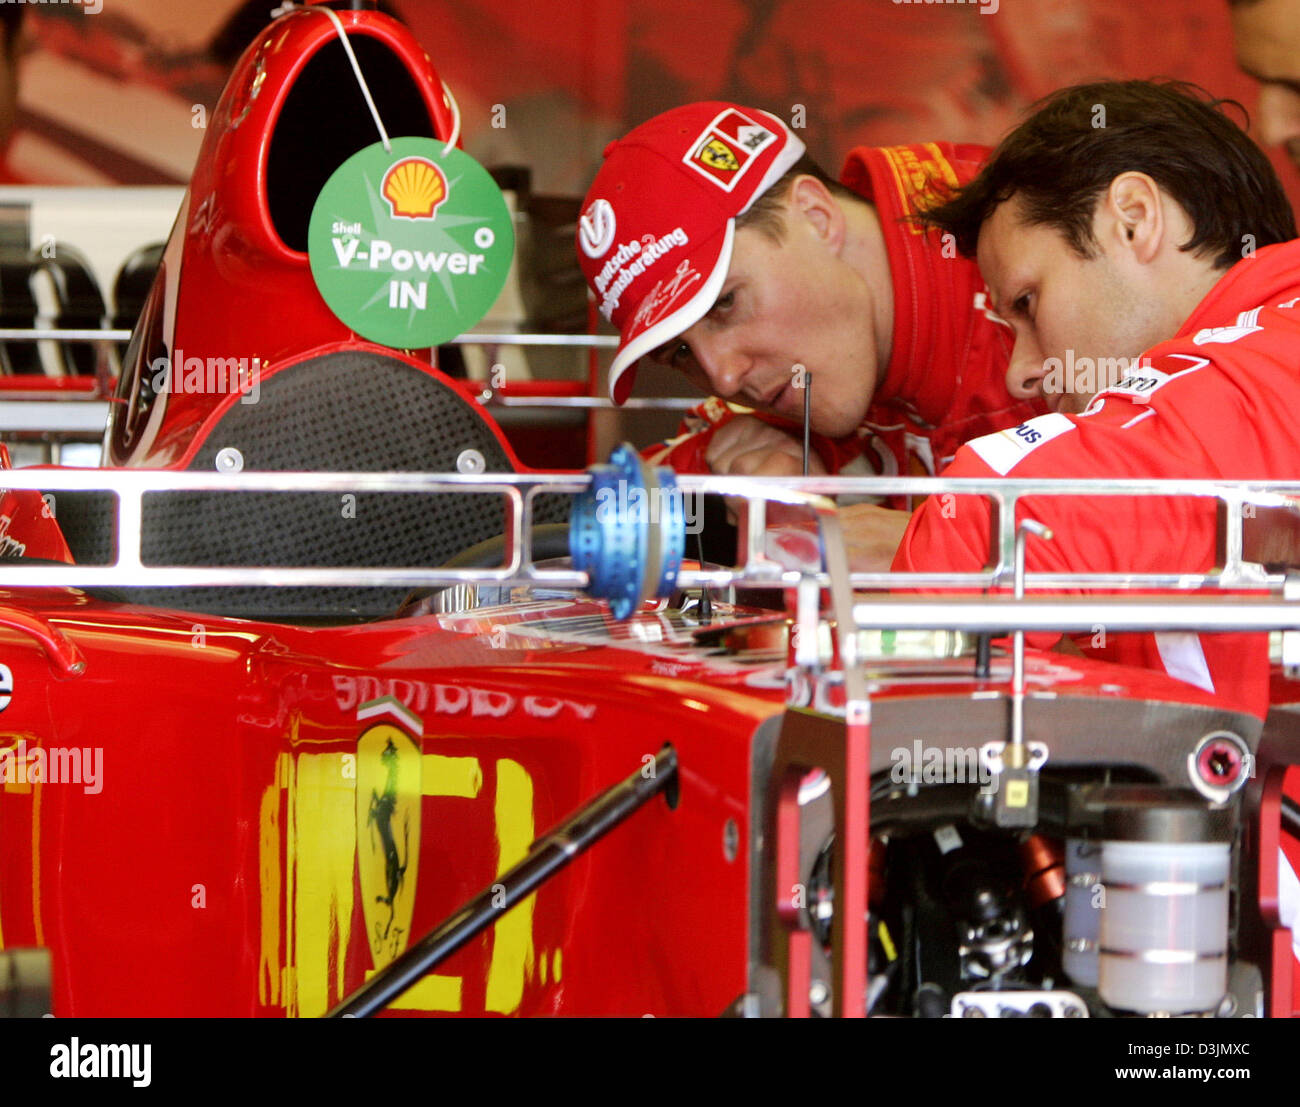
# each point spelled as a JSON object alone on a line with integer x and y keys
{"x": 946, "y": 378}
{"x": 1205, "y": 405}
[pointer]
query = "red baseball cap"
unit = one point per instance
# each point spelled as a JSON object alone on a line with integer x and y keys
{"x": 655, "y": 233}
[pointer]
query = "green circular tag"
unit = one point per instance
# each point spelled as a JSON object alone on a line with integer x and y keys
{"x": 410, "y": 246}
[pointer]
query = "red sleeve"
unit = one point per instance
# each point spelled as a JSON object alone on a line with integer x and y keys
{"x": 686, "y": 453}
{"x": 683, "y": 454}
{"x": 948, "y": 533}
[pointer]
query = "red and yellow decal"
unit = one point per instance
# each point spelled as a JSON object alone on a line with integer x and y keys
{"x": 922, "y": 182}
{"x": 336, "y": 825}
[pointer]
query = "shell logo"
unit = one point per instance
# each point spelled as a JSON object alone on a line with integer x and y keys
{"x": 414, "y": 188}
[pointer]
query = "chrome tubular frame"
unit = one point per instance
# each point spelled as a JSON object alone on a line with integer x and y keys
{"x": 1270, "y": 610}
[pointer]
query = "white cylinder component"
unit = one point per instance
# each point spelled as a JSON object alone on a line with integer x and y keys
{"x": 1082, "y": 921}
{"x": 1164, "y": 926}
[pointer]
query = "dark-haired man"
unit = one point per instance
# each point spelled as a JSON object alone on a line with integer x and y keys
{"x": 715, "y": 246}
{"x": 1160, "y": 242}
{"x": 1147, "y": 269}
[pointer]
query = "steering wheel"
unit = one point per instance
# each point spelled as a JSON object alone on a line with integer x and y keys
{"x": 549, "y": 540}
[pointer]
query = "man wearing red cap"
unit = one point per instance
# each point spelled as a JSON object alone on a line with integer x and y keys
{"x": 716, "y": 246}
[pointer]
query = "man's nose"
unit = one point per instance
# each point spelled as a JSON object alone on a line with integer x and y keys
{"x": 723, "y": 364}
{"x": 1279, "y": 114}
{"x": 1026, "y": 371}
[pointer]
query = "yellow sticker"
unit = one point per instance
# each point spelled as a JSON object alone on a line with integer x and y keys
{"x": 1017, "y": 793}
{"x": 886, "y": 942}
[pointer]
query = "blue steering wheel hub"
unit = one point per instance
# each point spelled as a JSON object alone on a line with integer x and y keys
{"x": 628, "y": 532}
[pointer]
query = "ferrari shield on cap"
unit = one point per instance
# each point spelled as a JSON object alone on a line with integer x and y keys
{"x": 655, "y": 233}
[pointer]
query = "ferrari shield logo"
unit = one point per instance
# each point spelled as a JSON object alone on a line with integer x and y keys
{"x": 727, "y": 147}
{"x": 388, "y": 836}
{"x": 717, "y": 154}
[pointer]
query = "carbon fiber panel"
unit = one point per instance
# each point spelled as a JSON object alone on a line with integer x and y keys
{"x": 352, "y": 411}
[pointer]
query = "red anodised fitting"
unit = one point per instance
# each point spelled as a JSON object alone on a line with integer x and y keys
{"x": 1219, "y": 763}
{"x": 1044, "y": 860}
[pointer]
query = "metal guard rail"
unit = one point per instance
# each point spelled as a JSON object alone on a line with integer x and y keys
{"x": 1270, "y": 611}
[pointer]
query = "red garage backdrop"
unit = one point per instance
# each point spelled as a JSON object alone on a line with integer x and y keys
{"x": 116, "y": 96}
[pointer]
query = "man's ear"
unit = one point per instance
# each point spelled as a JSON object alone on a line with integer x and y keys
{"x": 810, "y": 199}
{"x": 1133, "y": 216}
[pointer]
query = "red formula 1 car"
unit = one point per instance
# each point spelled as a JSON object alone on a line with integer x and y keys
{"x": 246, "y": 771}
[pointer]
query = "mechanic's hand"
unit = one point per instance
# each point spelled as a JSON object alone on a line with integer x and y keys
{"x": 872, "y": 535}
{"x": 748, "y": 447}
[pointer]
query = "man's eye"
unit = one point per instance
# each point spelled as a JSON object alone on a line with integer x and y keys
{"x": 725, "y": 301}
{"x": 678, "y": 354}
{"x": 1020, "y": 306}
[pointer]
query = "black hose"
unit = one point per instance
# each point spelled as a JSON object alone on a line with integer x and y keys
{"x": 1291, "y": 816}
